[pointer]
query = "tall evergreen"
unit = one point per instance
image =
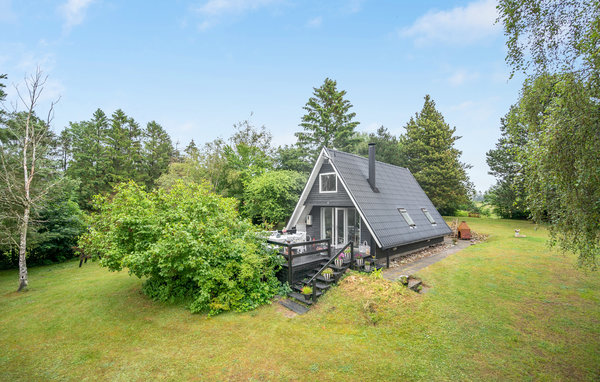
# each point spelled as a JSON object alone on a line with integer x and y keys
{"x": 427, "y": 149}
{"x": 89, "y": 159}
{"x": 158, "y": 152}
{"x": 328, "y": 121}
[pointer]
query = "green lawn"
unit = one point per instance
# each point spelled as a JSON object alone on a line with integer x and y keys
{"x": 506, "y": 309}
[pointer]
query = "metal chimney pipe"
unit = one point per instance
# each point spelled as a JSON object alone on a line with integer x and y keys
{"x": 372, "y": 166}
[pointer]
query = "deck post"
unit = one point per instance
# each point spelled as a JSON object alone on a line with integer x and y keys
{"x": 290, "y": 271}
{"x": 351, "y": 255}
{"x": 314, "y": 290}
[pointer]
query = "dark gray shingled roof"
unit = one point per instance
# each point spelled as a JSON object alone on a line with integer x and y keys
{"x": 397, "y": 189}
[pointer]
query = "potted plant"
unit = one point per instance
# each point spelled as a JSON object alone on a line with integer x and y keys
{"x": 347, "y": 254}
{"x": 367, "y": 266}
{"x": 339, "y": 260}
{"x": 359, "y": 259}
{"x": 307, "y": 292}
{"x": 327, "y": 273}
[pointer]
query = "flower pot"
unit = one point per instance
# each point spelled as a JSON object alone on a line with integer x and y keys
{"x": 338, "y": 262}
{"x": 368, "y": 267}
{"x": 307, "y": 296}
{"x": 359, "y": 262}
{"x": 327, "y": 276}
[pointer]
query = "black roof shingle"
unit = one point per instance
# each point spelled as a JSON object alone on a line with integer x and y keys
{"x": 397, "y": 189}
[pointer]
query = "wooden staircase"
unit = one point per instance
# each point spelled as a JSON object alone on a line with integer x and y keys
{"x": 299, "y": 303}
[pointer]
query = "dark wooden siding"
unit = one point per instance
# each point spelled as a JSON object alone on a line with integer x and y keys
{"x": 333, "y": 199}
{"x": 365, "y": 235}
{"x": 314, "y": 230}
{"x": 402, "y": 249}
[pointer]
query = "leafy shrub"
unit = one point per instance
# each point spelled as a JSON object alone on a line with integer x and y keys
{"x": 271, "y": 197}
{"x": 189, "y": 244}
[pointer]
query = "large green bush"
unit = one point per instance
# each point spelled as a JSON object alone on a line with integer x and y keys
{"x": 188, "y": 243}
{"x": 271, "y": 196}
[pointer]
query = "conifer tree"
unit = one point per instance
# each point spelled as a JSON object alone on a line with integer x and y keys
{"x": 427, "y": 149}
{"x": 158, "y": 152}
{"x": 90, "y": 158}
{"x": 328, "y": 121}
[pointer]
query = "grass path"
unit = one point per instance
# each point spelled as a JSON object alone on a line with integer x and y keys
{"x": 506, "y": 309}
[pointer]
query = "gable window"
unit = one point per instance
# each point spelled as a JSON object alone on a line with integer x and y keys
{"x": 407, "y": 217}
{"x": 327, "y": 182}
{"x": 428, "y": 216}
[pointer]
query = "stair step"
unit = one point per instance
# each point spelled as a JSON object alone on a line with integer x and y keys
{"x": 294, "y": 306}
{"x": 320, "y": 285}
{"x": 300, "y": 297}
{"x": 413, "y": 283}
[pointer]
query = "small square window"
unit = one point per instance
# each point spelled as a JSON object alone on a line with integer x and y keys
{"x": 428, "y": 216}
{"x": 328, "y": 182}
{"x": 407, "y": 217}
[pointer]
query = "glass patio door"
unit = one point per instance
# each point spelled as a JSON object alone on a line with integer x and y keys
{"x": 340, "y": 224}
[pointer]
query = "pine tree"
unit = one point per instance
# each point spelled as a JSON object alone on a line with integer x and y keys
{"x": 328, "y": 122}
{"x": 191, "y": 150}
{"x": 90, "y": 159}
{"x": 158, "y": 152}
{"x": 125, "y": 145}
{"x": 427, "y": 149}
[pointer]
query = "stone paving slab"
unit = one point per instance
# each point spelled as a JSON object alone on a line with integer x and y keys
{"x": 412, "y": 268}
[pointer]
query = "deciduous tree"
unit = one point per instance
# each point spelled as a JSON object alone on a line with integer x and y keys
{"x": 388, "y": 147}
{"x": 271, "y": 197}
{"x": 26, "y": 169}
{"x": 508, "y": 195}
{"x": 556, "y": 42}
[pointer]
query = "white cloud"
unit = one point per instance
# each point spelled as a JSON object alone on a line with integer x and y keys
{"x": 213, "y": 11}
{"x": 460, "y": 25}
{"x": 73, "y": 11}
{"x": 315, "y": 22}
{"x": 219, "y": 7}
{"x": 461, "y": 76}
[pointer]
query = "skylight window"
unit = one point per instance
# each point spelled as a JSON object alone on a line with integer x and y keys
{"x": 428, "y": 216}
{"x": 407, "y": 217}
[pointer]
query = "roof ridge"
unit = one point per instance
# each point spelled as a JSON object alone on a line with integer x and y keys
{"x": 366, "y": 158}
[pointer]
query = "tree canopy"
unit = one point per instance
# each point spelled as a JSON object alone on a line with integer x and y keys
{"x": 328, "y": 121}
{"x": 508, "y": 195}
{"x": 188, "y": 243}
{"x": 557, "y": 44}
{"x": 427, "y": 149}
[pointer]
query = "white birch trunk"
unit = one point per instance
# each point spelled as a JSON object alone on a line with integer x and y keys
{"x": 23, "y": 280}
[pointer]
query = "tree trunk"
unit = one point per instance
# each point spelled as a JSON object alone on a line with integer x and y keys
{"x": 23, "y": 280}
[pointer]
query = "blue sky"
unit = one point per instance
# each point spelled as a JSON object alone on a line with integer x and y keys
{"x": 197, "y": 67}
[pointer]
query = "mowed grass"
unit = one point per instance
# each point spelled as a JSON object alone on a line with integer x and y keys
{"x": 506, "y": 309}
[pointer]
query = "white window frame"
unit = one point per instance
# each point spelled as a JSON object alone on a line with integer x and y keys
{"x": 321, "y": 183}
{"x": 428, "y": 216}
{"x": 407, "y": 218}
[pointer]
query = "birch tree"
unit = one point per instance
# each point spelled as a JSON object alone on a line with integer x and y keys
{"x": 26, "y": 173}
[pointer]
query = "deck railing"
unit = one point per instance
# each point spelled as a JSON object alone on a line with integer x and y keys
{"x": 313, "y": 280}
{"x": 308, "y": 248}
